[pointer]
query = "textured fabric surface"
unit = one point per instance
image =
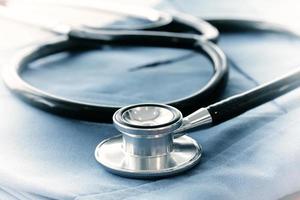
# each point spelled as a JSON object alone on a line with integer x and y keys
{"x": 254, "y": 156}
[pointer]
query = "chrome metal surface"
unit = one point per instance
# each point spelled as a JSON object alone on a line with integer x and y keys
{"x": 147, "y": 128}
{"x": 147, "y": 147}
{"x": 185, "y": 154}
{"x": 147, "y": 120}
{"x": 199, "y": 118}
{"x": 148, "y": 116}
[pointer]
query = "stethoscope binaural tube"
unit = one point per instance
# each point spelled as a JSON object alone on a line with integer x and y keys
{"x": 180, "y": 31}
{"x": 157, "y": 20}
{"x": 78, "y": 40}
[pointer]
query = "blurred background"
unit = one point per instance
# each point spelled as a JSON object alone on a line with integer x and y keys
{"x": 49, "y": 11}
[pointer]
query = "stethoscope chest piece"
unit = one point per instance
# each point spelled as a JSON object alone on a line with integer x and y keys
{"x": 147, "y": 147}
{"x": 185, "y": 154}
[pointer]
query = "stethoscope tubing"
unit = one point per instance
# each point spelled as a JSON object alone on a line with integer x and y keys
{"x": 89, "y": 38}
{"x": 103, "y": 113}
{"x": 240, "y": 103}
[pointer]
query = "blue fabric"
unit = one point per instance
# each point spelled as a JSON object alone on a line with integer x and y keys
{"x": 254, "y": 156}
{"x": 11, "y": 194}
{"x": 115, "y": 78}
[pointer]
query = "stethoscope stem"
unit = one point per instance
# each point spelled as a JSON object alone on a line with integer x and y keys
{"x": 233, "y": 106}
{"x": 199, "y": 119}
{"x": 153, "y": 141}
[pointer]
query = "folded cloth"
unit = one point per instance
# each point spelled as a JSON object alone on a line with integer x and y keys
{"x": 254, "y": 156}
{"x": 11, "y": 194}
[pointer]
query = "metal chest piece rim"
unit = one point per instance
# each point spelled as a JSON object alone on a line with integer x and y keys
{"x": 120, "y": 163}
{"x": 147, "y": 148}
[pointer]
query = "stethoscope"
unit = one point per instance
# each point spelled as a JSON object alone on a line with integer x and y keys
{"x": 152, "y": 143}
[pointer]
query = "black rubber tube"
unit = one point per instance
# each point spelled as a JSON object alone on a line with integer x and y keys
{"x": 88, "y": 39}
{"x": 238, "y": 104}
{"x": 99, "y": 112}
